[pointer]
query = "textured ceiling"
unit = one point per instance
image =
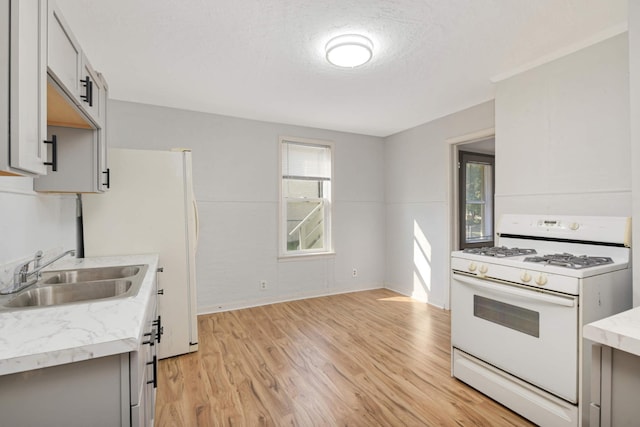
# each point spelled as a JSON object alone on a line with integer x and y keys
{"x": 264, "y": 59}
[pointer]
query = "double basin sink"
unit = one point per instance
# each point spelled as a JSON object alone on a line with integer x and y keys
{"x": 57, "y": 287}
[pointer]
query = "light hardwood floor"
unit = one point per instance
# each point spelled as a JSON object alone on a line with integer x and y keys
{"x": 372, "y": 358}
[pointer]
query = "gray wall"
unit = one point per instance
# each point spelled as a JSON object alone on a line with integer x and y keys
{"x": 236, "y": 182}
{"x": 417, "y": 211}
{"x": 562, "y": 135}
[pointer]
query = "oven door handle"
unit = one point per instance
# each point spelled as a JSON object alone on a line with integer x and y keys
{"x": 511, "y": 290}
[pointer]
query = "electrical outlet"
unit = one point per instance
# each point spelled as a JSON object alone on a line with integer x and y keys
{"x": 263, "y": 285}
{"x": 354, "y": 272}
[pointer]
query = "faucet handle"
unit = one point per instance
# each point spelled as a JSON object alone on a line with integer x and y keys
{"x": 37, "y": 259}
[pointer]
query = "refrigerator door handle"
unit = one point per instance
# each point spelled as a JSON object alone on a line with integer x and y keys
{"x": 197, "y": 218}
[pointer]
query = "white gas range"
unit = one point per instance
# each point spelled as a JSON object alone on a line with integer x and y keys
{"x": 518, "y": 310}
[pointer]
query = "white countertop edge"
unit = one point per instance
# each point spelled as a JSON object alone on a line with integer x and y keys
{"x": 620, "y": 331}
{"x": 44, "y": 337}
{"x": 61, "y": 357}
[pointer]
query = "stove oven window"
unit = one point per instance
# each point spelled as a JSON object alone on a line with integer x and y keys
{"x": 476, "y": 199}
{"x": 507, "y": 315}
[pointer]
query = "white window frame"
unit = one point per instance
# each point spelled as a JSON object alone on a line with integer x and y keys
{"x": 282, "y": 233}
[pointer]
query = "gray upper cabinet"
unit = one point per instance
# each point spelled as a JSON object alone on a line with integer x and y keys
{"x": 76, "y": 115}
{"x": 23, "y": 93}
{"x": 65, "y": 55}
{"x": 70, "y": 69}
{"x": 92, "y": 92}
{"x": 76, "y": 162}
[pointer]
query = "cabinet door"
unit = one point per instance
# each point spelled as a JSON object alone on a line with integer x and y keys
{"x": 79, "y": 394}
{"x": 77, "y": 161}
{"x": 143, "y": 412}
{"x": 70, "y": 68}
{"x": 28, "y": 85}
{"x": 144, "y": 369}
{"x": 64, "y": 56}
{"x": 104, "y": 173}
{"x": 92, "y": 93}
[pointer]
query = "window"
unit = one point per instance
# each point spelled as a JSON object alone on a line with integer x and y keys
{"x": 305, "y": 204}
{"x": 476, "y": 175}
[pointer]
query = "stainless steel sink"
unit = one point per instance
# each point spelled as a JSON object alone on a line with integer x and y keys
{"x": 70, "y": 292}
{"x": 89, "y": 274}
{"x": 79, "y": 285}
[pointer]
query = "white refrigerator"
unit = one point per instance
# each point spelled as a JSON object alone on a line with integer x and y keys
{"x": 151, "y": 208}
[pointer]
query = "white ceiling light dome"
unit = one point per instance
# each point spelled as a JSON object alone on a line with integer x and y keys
{"x": 349, "y": 50}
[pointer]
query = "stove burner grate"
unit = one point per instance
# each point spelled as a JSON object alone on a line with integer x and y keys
{"x": 575, "y": 262}
{"x": 499, "y": 251}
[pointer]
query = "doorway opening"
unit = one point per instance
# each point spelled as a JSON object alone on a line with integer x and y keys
{"x": 481, "y": 142}
{"x": 471, "y": 197}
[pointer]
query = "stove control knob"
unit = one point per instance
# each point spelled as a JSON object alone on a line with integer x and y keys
{"x": 525, "y": 277}
{"x": 574, "y": 226}
{"x": 541, "y": 280}
{"x": 483, "y": 269}
{"x": 472, "y": 266}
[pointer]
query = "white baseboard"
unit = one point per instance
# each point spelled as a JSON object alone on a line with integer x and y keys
{"x": 401, "y": 292}
{"x": 238, "y": 305}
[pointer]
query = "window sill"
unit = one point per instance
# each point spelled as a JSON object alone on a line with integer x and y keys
{"x": 300, "y": 257}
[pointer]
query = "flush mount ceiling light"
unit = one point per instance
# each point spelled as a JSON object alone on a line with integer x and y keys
{"x": 349, "y": 50}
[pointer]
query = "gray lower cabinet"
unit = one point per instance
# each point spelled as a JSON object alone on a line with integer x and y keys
{"x": 117, "y": 390}
{"x": 89, "y": 393}
{"x": 615, "y": 386}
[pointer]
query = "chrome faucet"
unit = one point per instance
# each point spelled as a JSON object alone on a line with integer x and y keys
{"x": 22, "y": 277}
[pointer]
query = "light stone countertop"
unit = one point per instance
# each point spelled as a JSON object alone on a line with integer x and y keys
{"x": 620, "y": 331}
{"x": 42, "y": 337}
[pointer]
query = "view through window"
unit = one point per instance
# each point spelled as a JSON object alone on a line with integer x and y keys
{"x": 306, "y": 196}
{"x": 476, "y": 177}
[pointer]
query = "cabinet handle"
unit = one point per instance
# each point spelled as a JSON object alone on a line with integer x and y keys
{"x": 88, "y": 93}
{"x": 91, "y": 94}
{"x": 159, "y": 329}
{"x": 150, "y": 341}
{"x": 54, "y": 153}
{"x": 108, "y": 183}
{"x": 154, "y": 381}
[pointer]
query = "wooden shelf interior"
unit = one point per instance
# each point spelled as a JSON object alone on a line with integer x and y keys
{"x": 60, "y": 112}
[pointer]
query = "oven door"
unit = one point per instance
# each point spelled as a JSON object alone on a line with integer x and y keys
{"x": 530, "y": 334}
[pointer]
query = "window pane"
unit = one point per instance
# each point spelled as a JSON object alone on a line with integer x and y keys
{"x": 302, "y": 188}
{"x": 306, "y": 196}
{"x": 475, "y": 181}
{"x": 305, "y": 224}
{"x": 303, "y": 160}
{"x": 477, "y": 218}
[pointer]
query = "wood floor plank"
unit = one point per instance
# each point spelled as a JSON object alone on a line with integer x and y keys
{"x": 372, "y": 358}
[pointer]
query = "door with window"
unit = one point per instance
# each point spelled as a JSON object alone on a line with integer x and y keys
{"x": 476, "y": 191}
